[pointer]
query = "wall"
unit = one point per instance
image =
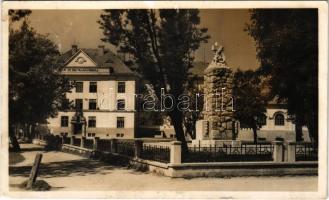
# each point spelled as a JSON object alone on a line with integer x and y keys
{"x": 270, "y": 114}
{"x": 211, "y": 169}
{"x": 106, "y": 95}
{"x": 243, "y": 169}
{"x": 106, "y": 113}
{"x": 105, "y": 124}
{"x": 270, "y": 131}
{"x": 270, "y": 135}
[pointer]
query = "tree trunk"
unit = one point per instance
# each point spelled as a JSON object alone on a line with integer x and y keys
{"x": 190, "y": 128}
{"x": 29, "y": 132}
{"x": 33, "y": 131}
{"x": 13, "y": 139}
{"x": 194, "y": 130}
{"x": 298, "y": 129}
{"x": 313, "y": 132}
{"x": 254, "y": 129}
{"x": 177, "y": 121}
{"x": 26, "y": 131}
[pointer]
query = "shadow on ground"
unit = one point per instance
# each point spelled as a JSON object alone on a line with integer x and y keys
{"x": 82, "y": 167}
{"x": 32, "y": 149}
{"x": 15, "y": 157}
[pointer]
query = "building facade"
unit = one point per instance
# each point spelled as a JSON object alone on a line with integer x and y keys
{"x": 103, "y": 96}
{"x": 275, "y": 123}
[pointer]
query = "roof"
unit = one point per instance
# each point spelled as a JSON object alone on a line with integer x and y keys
{"x": 108, "y": 59}
{"x": 277, "y": 101}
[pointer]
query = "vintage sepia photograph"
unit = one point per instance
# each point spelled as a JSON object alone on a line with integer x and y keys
{"x": 164, "y": 101}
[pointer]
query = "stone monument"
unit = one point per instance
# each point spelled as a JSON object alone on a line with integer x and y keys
{"x": 218, "y": 123}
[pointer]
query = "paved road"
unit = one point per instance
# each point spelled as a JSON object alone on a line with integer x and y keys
{"x": 67, "y": 172}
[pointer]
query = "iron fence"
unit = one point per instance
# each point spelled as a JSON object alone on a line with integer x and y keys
{"x": 126, "y": 148}
{"x": 104, "y": 145}
{"x": 155, "y": 153}
{"x": 77, "y": 141}
{"x": 89, "y": 143}
{"x": 255, "y": 152}
{"x": 306, "y": 152}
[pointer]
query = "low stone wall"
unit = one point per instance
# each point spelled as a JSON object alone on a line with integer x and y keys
{"x": 222, "y": 169}
{"x": 242, "y": 169}
{"x": 270, "y": 135}
{"x": 191, "y": 170}
{"x": 78, "y": 150}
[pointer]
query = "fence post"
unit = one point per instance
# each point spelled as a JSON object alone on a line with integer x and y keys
{"x": 82, "y": 143}
{"x": 138, "y": 148}
{"x": 278, "y": 151}
{"x": 114, "y": 144}
{"x": 95, "y": 145}
{"x": 72, "y": 140}
{"x": 291, "y": 157}
{"x": 176, "y": 152}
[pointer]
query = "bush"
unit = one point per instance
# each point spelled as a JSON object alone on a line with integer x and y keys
{"x": 53, "y": 142}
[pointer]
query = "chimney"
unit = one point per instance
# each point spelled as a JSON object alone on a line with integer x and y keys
{"x": 74, "y": 48}
{"x": 101, "y": 50}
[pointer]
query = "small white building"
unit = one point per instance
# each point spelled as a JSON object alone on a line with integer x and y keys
{"x": 103, "y": 96}
{"x": 275, "y": 123}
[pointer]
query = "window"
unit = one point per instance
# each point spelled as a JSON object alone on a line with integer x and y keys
{"x": 279, "y": 120}
{"x": 92, "y": 122}
{"x": 120, "y": 122}
{"x": 121, "y": 87}
{"x": 121, "y": 104}
{"x": 120, "y": 134}
{"x": 92, "y": 104}
{"x": 93, "y": 87}
{"x": 79, "y": 104}
{"x": 79, "y": 87}
{"x": 261, "y": 120}
{"x": 91, "y": 134}
{"x": 64, "y": 121}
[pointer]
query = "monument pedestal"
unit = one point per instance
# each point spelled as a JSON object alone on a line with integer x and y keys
{"x": 217, "y": 127}
{"x": 203, "y": 137}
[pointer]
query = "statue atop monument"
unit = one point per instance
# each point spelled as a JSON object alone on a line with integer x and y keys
{"x": 219, "y": 59}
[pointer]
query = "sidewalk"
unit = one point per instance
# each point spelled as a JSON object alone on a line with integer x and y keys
{"x": 67, "y": 172}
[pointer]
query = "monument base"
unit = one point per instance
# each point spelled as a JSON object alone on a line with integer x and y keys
{"x": 217, "y": 143}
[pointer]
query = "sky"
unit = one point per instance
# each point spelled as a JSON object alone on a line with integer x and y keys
{"x": 225, "y": 26}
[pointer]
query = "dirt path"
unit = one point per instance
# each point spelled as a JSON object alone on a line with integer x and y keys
{"x": 67, "y": 172}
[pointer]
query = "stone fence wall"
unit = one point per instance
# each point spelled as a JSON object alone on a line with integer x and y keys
{"x": 171, "y": 163}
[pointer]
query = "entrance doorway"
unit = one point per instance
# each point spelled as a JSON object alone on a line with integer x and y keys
{"x": 77, "y": 128}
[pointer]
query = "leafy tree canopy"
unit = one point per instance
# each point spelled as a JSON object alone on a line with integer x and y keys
{"x": 287, "y": 47}
{"x": 162, "y": 43}
{"x": 249, "y": 101}
{"x": 36, "y": 88}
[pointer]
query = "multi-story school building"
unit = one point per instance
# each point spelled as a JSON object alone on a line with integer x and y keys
{"x": 103, "y": 96}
